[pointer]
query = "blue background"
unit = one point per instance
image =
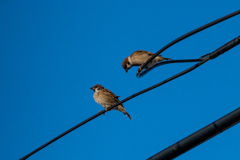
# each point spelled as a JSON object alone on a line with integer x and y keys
{"x": 52, "y": 52}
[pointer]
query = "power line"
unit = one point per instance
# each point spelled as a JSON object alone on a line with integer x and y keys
{"x": 203, "y": 60}
{"x": 210, "y": 130}
{"x": 120, "y": 102}
{"x": 214, "y": 54}
{"x": 167, "y": 62}
{"x": 188, "y": 35}
{"x": 199, "y": 137}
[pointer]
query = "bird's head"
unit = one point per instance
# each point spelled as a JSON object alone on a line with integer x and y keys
{"x": 126, "y": 64}
{"x": 97, "y": 87}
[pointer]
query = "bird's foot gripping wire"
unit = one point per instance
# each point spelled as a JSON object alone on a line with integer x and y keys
{"x": 106, "y": 108}
{"x": 138, "y": 71}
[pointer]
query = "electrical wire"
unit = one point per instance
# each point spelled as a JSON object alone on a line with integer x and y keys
{"x": 222, "y": 49}
{"x": 205, "y": 59}
{"x": 167, "y": 62}
{"x": 116, "y": 104}
{"x": 199, "y": 137}
{"x": 214, "y": 54}
{"x": 187, "y": 35}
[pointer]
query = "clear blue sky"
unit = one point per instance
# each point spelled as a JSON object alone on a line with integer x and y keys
{"x": 52, "y": 52}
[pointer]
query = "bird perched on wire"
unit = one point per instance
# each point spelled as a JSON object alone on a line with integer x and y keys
{"x": 139, "y": 57}
{"x": 106, "y": 98}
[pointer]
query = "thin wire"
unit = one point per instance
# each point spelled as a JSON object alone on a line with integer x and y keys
{"x": 212, "y": 55}
{"x": 63, "y": 134}
{"x": 166, "y": 62}
{"x": 187, "y": 35}
{"x": 116, "y": 104}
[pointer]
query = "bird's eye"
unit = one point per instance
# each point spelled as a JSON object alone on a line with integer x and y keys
{"x": 128, "y": 63}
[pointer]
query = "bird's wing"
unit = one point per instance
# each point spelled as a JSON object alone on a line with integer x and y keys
{"x": 141, "y": 52}
{"x": 150, "y": 53}
{"x": 109, "y": 93}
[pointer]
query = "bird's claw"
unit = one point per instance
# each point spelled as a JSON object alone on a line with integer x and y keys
{"x": 106, "y": 109}
{"x": 138, "y": 71}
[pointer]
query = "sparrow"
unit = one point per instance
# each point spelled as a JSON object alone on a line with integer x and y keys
{"x": 139, "y": 57}
{"x": 106, "y": 98}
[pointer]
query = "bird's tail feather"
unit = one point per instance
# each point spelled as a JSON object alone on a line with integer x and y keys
{"x": 128, "y": 115}
{"x": 167, "y": 59}
{"x": 123, "y": 110}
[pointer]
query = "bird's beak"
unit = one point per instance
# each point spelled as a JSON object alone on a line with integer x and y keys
{"x": 126, "y": 70}
{"x": 91, "y": 88}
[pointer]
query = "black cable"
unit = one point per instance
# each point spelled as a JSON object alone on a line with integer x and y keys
{"x": 187, "y": 35}
{"x": 225, "y": 48}
{"x": 116, "y": 104}
{"x": 199, "y": 137}
{"x": 166, "y": 62}
{"x": 63, "y": 134}
{"x": 124, "y": 100}
{"x": 212, "y": 55}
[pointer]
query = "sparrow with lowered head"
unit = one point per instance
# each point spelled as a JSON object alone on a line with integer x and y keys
{"x": 139, "y": 57}
{"x": 106, "y": 98}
